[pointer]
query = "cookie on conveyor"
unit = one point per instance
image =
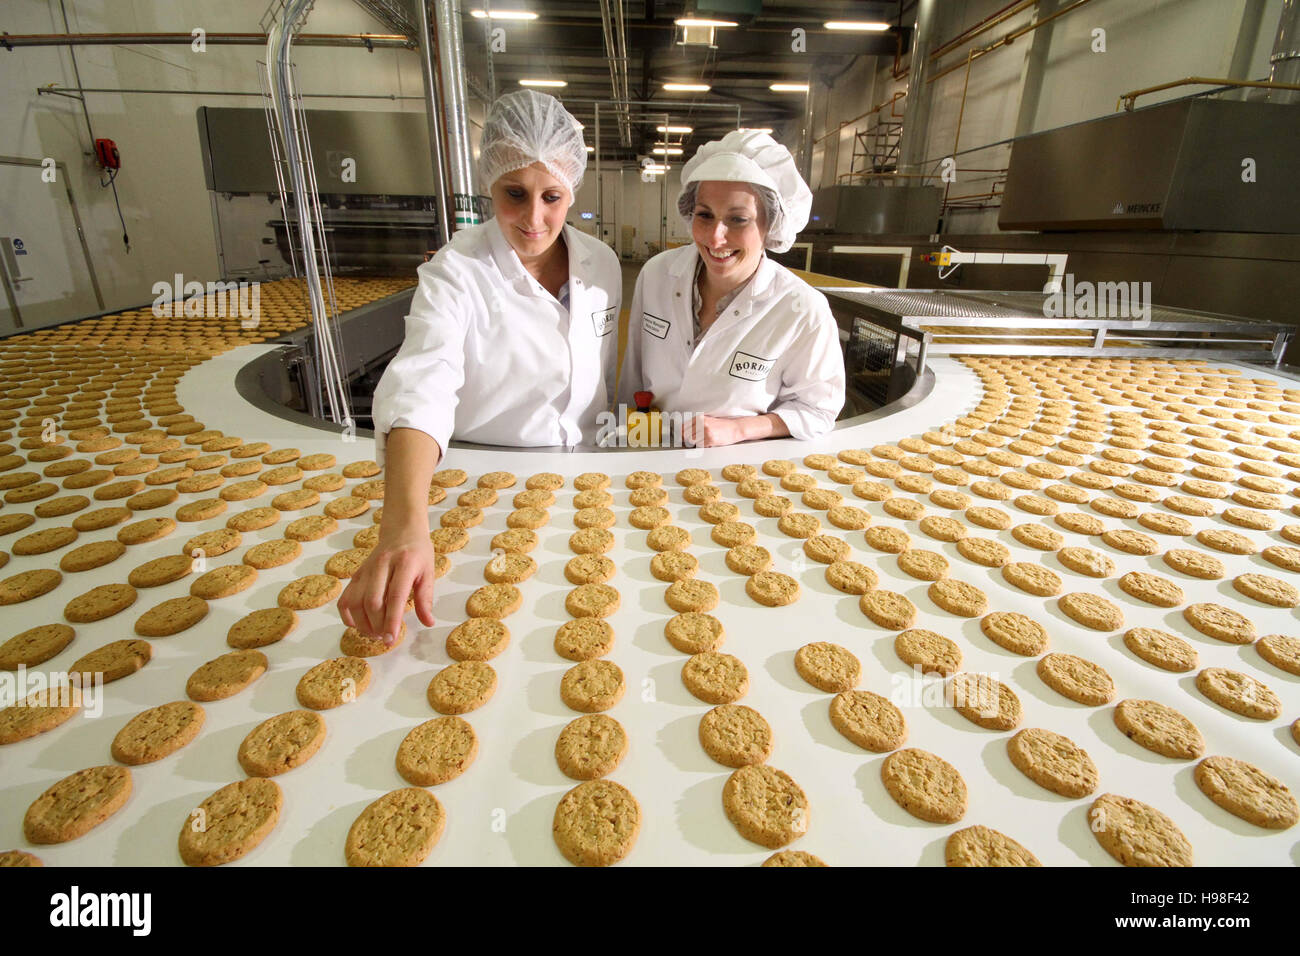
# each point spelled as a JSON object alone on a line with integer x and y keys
{"x": 888, "y": 609}
{"x": 715, "y": 678}
{"x": 261, "y": 628}
{"x": 1077, "y": 678}
{"x": 984, "y": 701}
{"x": 436, "y": 751}
{"x": 18, "y": 858}
{"x": 310, "y": 591}
{"x": 171, "y": 616}
{"x": 1220, "y": 623}
{"x": 231, "y": 822}
{"x": 828, "y": 667}
{"x": 1247, "y": 792}
{"x": 1266, "y": 589}
{"x": 1015, "y": 632}
{"x": 769, "y": 588}
{"x": 593, "y": 600}
{"x": 586, "y": 569}
{"x": 923, "y": 565}
{"x": 158, "y": 732}
{"x": 1054, "y": 762}
{"x": 735, "y": 735}
{"x": 958, "y": 597}
{"x": 982, "y": 846}
{"x": 281, "y": 743}
{"x": 333, "y": 683}
{"x": 355, "y": 644}
{"x": 478, "y": 639}
{"x": 1151, "y": 588}
{"x": 925, "y": 785}
{"x": 765, "y": 805}
{"x": 927, "y": 651}
{"x": 868, "y": 720}
{"x": 591, "y": 747}
{"x": 500, "y": 600}
{"x": 693, "y": 633}
{"x": 38, "y": 712}
{"x": 582, "y": 639}
{"x": 1137, "y": 834}
{"x": 596, "y": 823}
{"x": 1091, "y": 610}
{"x": 226, "y": 675}
{"x": 401, "y": 828}
{"x": 1239, "y": 693}
{"x": 793, "y": 858}
{"x": 462, "y": 687}
{"x": 1164, "y": 650}
{"x": 112, "y": 661}
{"x": 77, "y": 804}
{"x": 674, "y": 565}
{"x": 748, "y": 559}
{"x": 666, "y": 538}
{"x": 36, "y": 645}
{"x": 1281, "y": 651}
{"x": 1159, "y": 728}
{"x": 851, "y": 577}
{"x": 1032, "y": 578}
{"x": 592, "y": 686}
{"x": 99, "y": 603}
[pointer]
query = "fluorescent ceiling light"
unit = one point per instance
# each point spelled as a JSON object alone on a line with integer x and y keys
{"x": 555, "y": 83}
{"x": 788, "y": 87}
{"x": 503, "y": 14}
{"x": 674, "y": 129}
{"x": 761, "y": 129}
{"x": 857, "y": 26}
{"x": 687, "y": 87}
{"x": 667, "y": 150}
{"x": 591, "y": 149}
{"x": 703, "y": 22}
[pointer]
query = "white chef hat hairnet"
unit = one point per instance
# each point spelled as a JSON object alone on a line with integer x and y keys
{"x": 749, "y": 156}
{"x": 527, "y": 127}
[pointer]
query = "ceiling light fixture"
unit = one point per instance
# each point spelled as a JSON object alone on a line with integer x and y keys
{"x": 503, "y": 14}
{"x": 856, "y": 26}
{"x": 674, "y": 129}
{"x": 667, "y": 150}
{"x": 687, "y": 87}
{"x": 549, "y": 83}
{"x": 703, "y": 22}
{"x": 788, "y": 87}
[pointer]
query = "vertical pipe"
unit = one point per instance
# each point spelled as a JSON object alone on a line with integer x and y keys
{"x": 911, "y": 148}
{"x": 431, "y": 113}
{"x": 600, "y": 192}
{"x": 805, "y": 158}
{"x": 1285, "y": 60}
{"x": 451, "y": 61}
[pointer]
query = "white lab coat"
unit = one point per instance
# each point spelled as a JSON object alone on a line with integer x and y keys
{"x": 491, "y": 357}
{"x": 776, "y": 348}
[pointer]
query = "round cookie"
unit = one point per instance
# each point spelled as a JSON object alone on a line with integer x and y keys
{"x": 592, "y": 600}
{"x": 958, "y": 597}
{"x": 401, "y": 828}
{"x": 923, "y": 565}
{"x": 888, "y": 609}
{"x": 769, "y": 588}
{"x": 868, "y": 720}
{"x": 1239, "y": 693}
{"x": 1196, "y": 564}
{"x": 788, "y": 858}
{"x": 477, "y": 639}
{"x": 462, "y": 687}
{"x": 237, "y": 818}
{"x": 591, "y": 747}
{"x": 333, "y": 682}
{"x": 596, "y": 823}
{"x": 36, "y": 645}
{"x": 77, "y": 804}
{"x": 748, "y": 559}
{"x": 1247, "y": 792}
{"x": 1032, "y": 578}
{"x": 850, "y": 577}
{"x": 981, "y": 846}
{"x": 582, "y": 639}
{"x": 1054, "y": 762}
{"x": 1159, "y": 728}
{"x": 674, "y": 565}
{"x": 171, "y": 617}
{"x": 226, "y": 675}
{"x": 984, "y": 701}
{"x": 1220, "y": 623}
{"x": 828, "y": 667}
{"x": 1137, "y": 834}
{"x": 1161, "y": 648}
{"x": 735, "y": 735}
{"x": 1151, "y": 588}
{"x": 694, "y": 633}
{"x": 925, "y": 785}
{"x": 1091, "y": 610}
{"x": 693, "y": 595}
{"x": 261, "y": 628}
{"x": 1281, "y": 651}
{"x": 928, "y": 652}
{"x": 1015, "y": 632}
{"x": 592, "y": 686}
{"x": 509, "y": 567}
{"x": 765, "y": 805}
{"x": 157, "y": 733}
{"x": 436, "y": 751}
{"x": 667, "y": 538}
{"x": 1076, "y": 678}
{"x": 716, "y": 678}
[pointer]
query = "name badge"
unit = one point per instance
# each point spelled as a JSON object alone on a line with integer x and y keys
{"x": 604, "y": 321}
{"x": 655, "y": 326}
{"x": 749, "y": 367}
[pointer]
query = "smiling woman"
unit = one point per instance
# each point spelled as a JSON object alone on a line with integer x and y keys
{"x": 512, "y": 340}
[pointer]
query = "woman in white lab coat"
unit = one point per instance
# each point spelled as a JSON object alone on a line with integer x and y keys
{"x": 511, "y": 340}
{"x": 732, "y": 341}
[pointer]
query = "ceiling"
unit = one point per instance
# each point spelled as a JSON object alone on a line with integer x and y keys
{"x": 567, "y": 42}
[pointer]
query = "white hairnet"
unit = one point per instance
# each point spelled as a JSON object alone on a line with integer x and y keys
{"x": 527, "y": 127}
{"x": 748, "y": 156}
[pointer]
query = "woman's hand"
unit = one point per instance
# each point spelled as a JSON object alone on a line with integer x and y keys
{"x": 375, "y": 598}
{"x": 708, "y": 431}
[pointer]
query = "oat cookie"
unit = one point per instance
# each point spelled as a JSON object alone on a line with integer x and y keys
{"x": 77, "y": 804}
{"x": 157, "y": 733}
{"x": 851, "y": 577}
{"x": 1239, "y": 693}
{"x": 694, "y": 633}
{"x": 333, "y": 682}
{"x": 828, "y": 667}
{"x": 923, "y": 565}
{"x": 226, "y": 675}
{"x": 592, "y": 686}
{"x": 1137, "y": 834}
{"x": 889, "y": 540}
{"x": 931, "y": 653}
{"x": 171, "y": 617}
{"x": 1015, "y": 632}
{"x": 592, "y": 541}
{"x": 35, "y": 645}
{"x": 1220, "y": 623}
{"x": 582, "y": 639}
{"x": 1091, "y": 610}
{"x": 515, "y": 540}
{"x": 596, "y": 823}
{"x": 1196, "y": 564}
{"x": 355, "y": 644}
{"x": 261, "y": 628}
{"x": 436, "y": 751}
{"x": 1162, "y": 649}
{"x": 1159, "y": 728}
{"x": 1054, "y": 762}
{"x": 1152, "y": 588}
{"x": 1032, "y": 578}
{"x": 729, "y": 534}
{"x": 589, "y": 600}
{"x": 1281, "y": 651}
{"x": 735, "y": 735}
{"x": 716, "y": 678}
{"x": 981, "y": 846}
{"x": 399, "y": 829}
{"x": 591, "y": 747}
{"x": 888, "y": 609}
{"x": 868, "y": 720}
{"x": 765, "y": 805}
{"x": 925, "y": 785}
{"x": 958, "y": 597}
{"x": 1247, "y": 792}
{"x": 273, "y": 554}
{"x": 1076, "y": 678}
{"x": 462, "y": 687}
{"x": 38, "y": 712}
{"x": 1131, "y": 542}
{"x": 1266, "y": 589}
{"x": 769, "y": 588}
{"x": 984, "y": 701}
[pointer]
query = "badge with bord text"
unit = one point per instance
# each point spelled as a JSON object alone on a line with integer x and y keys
{"x": 604, "y": 321}
{"x": 749, "y": 367}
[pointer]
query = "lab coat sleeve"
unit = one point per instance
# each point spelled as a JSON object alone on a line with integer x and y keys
{"x": 812, "y": 380}
{"x": 419, "y": 387}
{"x": 631, "y": 378}
{"x": 614, "y": 286}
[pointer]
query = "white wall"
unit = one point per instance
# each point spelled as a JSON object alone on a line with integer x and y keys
{"x": 1147, "y": 42}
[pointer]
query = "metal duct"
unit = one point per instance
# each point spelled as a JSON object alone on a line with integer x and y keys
{"x": 451, "y": 66}
{"x": 1285, "y": 60}
{"x": 615, "y": 33}
{"x": 911, "y": 146}
{"x": 434, "y": 122}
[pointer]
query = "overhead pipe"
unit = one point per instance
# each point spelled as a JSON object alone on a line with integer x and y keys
{"x": 451, "y": 65}
{"x": 368, "y": 40}
{"x": 976, "y": 52}
{"x": 434, "y": 122}
{"x": 1284, "y": 63}
{"x": 911, "y": 145}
